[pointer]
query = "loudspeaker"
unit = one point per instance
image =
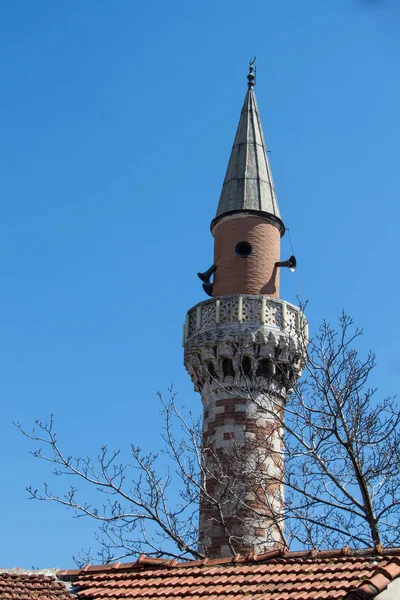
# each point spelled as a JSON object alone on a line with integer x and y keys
{"x": 208, "y": 288}
{"x": 205, "y": 277}
{"x": 290, "y": 263}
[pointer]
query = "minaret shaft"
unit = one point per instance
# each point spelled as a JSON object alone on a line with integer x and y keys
{"x": 243, "y": 353}
{"x": 242, "y": 451}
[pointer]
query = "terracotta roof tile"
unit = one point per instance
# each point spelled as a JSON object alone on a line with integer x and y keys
{"x": 305, "y": 575}
{"x": 17, "y": 585}
{"x": 391, "y": 570}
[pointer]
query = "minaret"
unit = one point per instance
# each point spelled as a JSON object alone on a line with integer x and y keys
{"x": 243, "y": 351}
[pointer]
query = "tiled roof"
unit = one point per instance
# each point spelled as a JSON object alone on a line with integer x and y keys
{"x": 309, "y": 575}
{"x": 19, "y": 585}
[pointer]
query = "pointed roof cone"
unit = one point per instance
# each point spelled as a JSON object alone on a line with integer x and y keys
{"x": 248, "y": 185}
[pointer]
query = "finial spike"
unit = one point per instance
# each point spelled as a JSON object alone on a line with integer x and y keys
{"x": 251, "y": 76}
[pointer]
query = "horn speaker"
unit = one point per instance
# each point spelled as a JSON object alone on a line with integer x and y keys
{"x": 290, "y": 263}
{"x": 205, "y": 278}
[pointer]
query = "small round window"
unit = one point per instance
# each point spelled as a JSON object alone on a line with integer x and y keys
{"x": 243, "y": 249}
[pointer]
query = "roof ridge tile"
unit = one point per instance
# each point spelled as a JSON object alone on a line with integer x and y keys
{"x": 391, "y": 570}
{"x": 379, "y": 581}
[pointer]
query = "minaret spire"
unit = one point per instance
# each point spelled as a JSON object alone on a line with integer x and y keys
{"x": 248, "y": 184}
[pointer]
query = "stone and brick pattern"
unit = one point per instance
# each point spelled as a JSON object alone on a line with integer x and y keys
{"x": 243, "y": 470}
{"x": 255, "y": 274}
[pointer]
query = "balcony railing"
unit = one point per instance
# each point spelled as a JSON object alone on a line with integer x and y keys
{"x": 244, "y": 309}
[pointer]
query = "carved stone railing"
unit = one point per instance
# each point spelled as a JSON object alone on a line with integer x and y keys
{"x": 260, "y": 310}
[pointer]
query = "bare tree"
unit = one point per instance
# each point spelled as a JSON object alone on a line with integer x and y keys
{"x": 341, "y": 476}
{"x": 342, "y": 468}
{"x": 136, "y": 504}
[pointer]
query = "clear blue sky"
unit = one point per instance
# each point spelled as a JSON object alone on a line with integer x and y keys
{"x": 116, "y": 121}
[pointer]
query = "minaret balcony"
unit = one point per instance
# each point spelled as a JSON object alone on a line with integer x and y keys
{"x": 246, "y": 309}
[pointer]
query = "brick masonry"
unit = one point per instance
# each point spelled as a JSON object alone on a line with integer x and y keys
{"x": 255, "y": 274}
{"x": 242, "y": 449}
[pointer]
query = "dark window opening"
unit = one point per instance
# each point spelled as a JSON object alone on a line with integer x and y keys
{"x": 243, "y": 249}
{"x": 210, "y": 369}
{"x": 266, "y": 368}
{"x": 227, "y": 367}
{"x": 246, "y": 365}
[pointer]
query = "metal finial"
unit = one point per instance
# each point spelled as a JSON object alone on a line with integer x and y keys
{"x": 251, "y": 76}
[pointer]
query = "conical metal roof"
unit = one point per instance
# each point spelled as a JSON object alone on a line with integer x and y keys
{"x": 248, "y": 184}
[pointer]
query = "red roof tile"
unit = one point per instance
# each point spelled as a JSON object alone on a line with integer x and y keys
{"x": 31, "y": 586}
{"x": 306, "y": 575}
